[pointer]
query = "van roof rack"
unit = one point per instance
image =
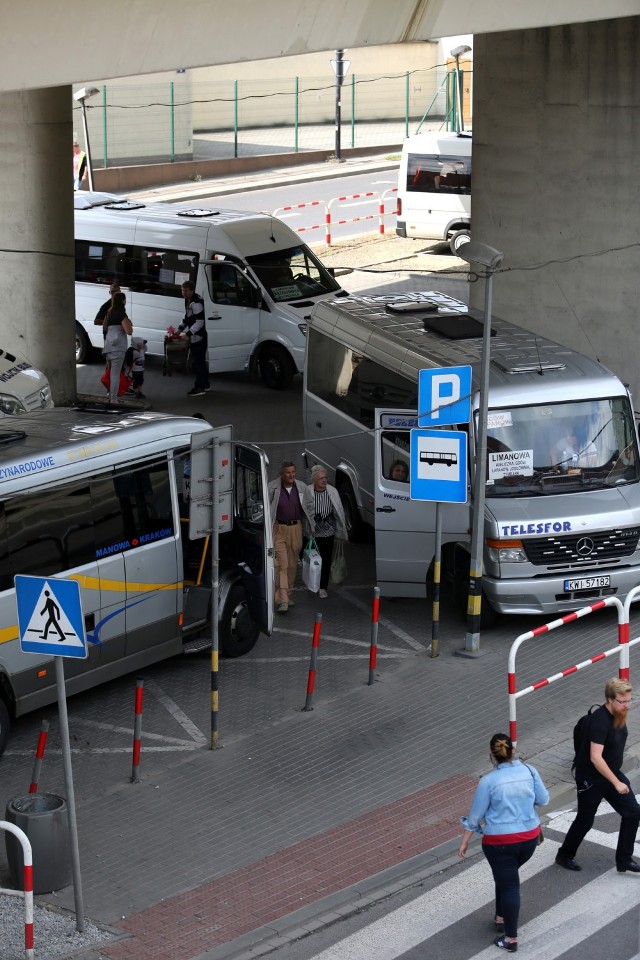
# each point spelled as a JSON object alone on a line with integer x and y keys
{"x": 455, "y": 326}
{"x": 198, "y": 212}
{"x": 125, "y": 205}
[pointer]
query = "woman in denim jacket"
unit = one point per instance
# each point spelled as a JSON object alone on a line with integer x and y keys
{"x": 503, "y": 814}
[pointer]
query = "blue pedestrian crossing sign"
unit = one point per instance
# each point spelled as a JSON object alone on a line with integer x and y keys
{"x": 50, "y": 617}
{"x": 438, "y": 466}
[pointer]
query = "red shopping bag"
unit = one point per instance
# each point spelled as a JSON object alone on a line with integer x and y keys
{"x": 125, "y": 381}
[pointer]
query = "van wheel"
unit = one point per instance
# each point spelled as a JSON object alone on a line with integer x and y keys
{"x": 238, "y": 633}
{"x": 458, "y": 239}
{"x": 276, "y": 368}
{"x": 353, "y": 521}
{"x": 5, "y": 724}
{"x": 83, "y": 345}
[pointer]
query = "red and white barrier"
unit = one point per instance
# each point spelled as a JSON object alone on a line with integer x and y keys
{"x": 370, "y": 196}
{"x": 375, "y": 617}
{"x": 27, "y": 893}
{"x": 37, "y": 763}
{"x": 621, "y": 649}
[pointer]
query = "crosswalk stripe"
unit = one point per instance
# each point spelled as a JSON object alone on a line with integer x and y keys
{"x": 432, "y": 912}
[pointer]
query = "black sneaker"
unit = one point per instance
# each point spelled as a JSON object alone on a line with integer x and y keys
{"x": 196, "y": 392}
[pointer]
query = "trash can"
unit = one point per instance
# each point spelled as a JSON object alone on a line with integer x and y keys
{"x": 44, "y": 819}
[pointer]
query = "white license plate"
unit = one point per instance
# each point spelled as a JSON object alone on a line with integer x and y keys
{"x": 586, "y": 583}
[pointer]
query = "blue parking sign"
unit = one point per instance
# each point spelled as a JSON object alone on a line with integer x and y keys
{"x": 444, "y": 396}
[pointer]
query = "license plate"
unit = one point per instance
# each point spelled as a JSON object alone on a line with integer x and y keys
{"x": 587, "y": 583}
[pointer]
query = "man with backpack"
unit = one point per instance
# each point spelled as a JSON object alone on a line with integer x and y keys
{"x": 599, "y": 777}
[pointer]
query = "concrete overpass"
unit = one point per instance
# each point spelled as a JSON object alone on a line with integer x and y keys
{"x": 556, "y": 131}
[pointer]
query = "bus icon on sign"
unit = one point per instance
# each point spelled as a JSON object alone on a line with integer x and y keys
{"x": 449, "y": 458}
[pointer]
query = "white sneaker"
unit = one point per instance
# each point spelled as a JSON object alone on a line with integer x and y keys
{"x": 323, "y": 594}
{"x": 283, "y": 608}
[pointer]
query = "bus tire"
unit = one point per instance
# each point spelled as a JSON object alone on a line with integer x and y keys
{"x": 276, "y": 367}
{"x": 83, "y": 345}
{"x": 458, "y": 239}
{"x": 238, "y": 633}
{"x": 5, "y": 725}
{"x": 353, "y": 521}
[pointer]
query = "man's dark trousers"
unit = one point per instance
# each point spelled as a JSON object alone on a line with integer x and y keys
{"x": 589, "y": 799}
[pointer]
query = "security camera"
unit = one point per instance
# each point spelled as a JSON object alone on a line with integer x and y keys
{"x": 458, "y": 51}
{"x": 85, "y": 93}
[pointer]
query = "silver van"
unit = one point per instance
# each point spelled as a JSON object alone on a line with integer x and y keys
{"x": 562, "y": 514}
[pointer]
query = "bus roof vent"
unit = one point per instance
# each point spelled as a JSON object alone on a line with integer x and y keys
{"x": 527, "y": 366}
{"x": 455, "y": 326}
{"x": 125, "y": 205}
{"x": 10, "y": 436}
{"x": 198, "y": 212}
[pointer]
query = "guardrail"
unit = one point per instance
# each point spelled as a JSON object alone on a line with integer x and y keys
{"x": 27, "y": 893}
{"x": 622, "y": 649}
{"x": 370, "y": 196}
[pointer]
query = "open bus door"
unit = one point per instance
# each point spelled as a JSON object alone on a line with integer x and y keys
{"x": 405, "y": 528}
{"x": 252, "y": 534}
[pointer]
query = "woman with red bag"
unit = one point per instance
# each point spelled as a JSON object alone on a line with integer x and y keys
{"x": 117, "y": 327}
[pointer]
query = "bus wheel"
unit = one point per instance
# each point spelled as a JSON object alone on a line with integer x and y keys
{"x": 83, "y": 345}
{"x": 238, "y": 632}
{"x": 5, "y": 724}
{"x": 276, "y": 368}
{"x": 458, "y": 239}
{"x": 354, "y": 524}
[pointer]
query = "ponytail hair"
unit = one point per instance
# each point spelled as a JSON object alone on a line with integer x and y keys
{"x": 501, "y": 747}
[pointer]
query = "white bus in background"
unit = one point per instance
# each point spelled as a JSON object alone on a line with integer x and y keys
{"x": 562, "y": 509}
{"x": 100, "y": 498}
{"x": 434, "y": 188}
{"x": 258, "y": 280}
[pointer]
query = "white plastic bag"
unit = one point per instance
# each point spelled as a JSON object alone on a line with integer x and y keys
{"x": 338, "y": 562}
{"x": 311, "y": 566}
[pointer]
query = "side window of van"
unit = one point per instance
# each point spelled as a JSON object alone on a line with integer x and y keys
{"x": 163, "y": 271}
{"x": 228, "y": 285}
{"x": 103, "y": 263}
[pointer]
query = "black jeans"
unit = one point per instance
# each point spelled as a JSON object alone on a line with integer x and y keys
{"x": 589, "y": 799}
{"x": 325, "y": 548}
{"x": 505, "y": 860}
{"x": 198, "y": 354}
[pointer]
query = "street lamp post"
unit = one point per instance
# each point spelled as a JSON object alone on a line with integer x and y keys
{"x": 81, "y": 96}
{"x": 340, "y": 67}
{"x": 456, "y": 53}
{"x": 489, "y": 258}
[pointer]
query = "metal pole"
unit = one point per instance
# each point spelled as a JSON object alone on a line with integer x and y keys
{"x": 105, "y": 148}
{"x": 137, "y": 730}
{"x": 339, "y": 67}
{"x": 472, "y": 638}
{"x": 296, "y": 113}
{"x": 458, "y": 97}
{"x": 215, "y": 587}
{"x": 373, "y": 650}
{"x": 68, "y": 782}
{"x": 235, "y": 118}
{"x": 437, "y": 567}
{"x": 86, "y": 142}
{"x": 311, "y": 680}
{"x": 407, "y": 105}
{"x": 172, "y": 123}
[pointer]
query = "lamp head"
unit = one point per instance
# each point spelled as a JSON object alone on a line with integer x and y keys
{"x": 458, "y": 51}
{"x": 83, "y": 94}
{"x": 482, "y": 253}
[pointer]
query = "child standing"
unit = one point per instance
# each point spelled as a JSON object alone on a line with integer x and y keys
{"x": 134, "y": 362}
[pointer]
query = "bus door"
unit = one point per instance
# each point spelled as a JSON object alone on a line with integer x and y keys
{"x": 405, "y": 528}
{"x": 250, "y": 543}
{"x": 233, "y": 322}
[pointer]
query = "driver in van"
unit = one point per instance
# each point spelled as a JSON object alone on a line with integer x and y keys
{"x": 570, "y": 451}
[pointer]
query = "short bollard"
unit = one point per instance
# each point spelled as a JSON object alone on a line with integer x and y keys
{"x": 375, "y": 616}
{"x": 37, "y": 763}
{"x": 314, "y": 659}
{"x": 137, "y": 731}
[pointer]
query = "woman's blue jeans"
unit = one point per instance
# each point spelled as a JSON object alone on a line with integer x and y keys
{"x": 505, "y": 860}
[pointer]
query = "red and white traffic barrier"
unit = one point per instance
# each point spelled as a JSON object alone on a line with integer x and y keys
{"x": 299, "y": 206}
{"x": 37, "y": 763}
{"x": 137, "y": 731}
{"x": 27, "y": 883}
{"x": 621, "y": 649}
{"x": 311, "y": 681}
{"x": 375, "y": 617}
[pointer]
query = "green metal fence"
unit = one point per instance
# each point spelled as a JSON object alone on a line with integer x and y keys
{"x": 197, "y": 120}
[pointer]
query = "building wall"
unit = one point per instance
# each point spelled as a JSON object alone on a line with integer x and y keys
{"x": 556, "y": 137}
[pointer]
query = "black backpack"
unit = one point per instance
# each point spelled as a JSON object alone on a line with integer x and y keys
{"x": 581, "y": 738}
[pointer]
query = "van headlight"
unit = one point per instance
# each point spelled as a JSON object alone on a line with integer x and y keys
{"x": 506, "y": 551}
{"x": 302, "y": 327}
{"x": 11, "y": 405}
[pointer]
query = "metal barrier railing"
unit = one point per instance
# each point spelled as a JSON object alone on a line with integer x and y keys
{"x": 27, "y": 893}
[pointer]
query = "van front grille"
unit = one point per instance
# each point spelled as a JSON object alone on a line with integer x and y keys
{"x": 582, "y": 547}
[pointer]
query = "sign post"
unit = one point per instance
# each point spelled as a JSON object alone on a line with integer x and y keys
{"x": 51, "y": 624}
{"x": 439, "y": 457}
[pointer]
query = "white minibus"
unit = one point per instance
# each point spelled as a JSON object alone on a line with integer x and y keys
{"x": 562, "y": 514}
{"x": 99, "y": 498}
{"x": 258, "y": 280}
{"x": 434, "y": 188}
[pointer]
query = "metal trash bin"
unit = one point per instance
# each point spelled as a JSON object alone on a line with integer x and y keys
{"x": 43, "y": 817}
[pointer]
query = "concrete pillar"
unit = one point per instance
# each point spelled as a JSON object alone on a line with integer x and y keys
{"x": 556, "y": 140}
{"x": 36, "y": 234}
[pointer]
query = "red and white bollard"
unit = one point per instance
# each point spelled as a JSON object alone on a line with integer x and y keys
{"x": 137, "y": 731}
{"x": 37, "y": 763}
{"x": 311, "y": 682}
{"x": 375, "y": 617}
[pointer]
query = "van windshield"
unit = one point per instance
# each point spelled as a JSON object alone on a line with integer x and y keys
{"x": 561, "y": 447}
{"x": 293, "y": 274}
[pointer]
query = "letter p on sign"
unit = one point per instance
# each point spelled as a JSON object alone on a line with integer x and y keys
{"x": 444, "y": 396}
